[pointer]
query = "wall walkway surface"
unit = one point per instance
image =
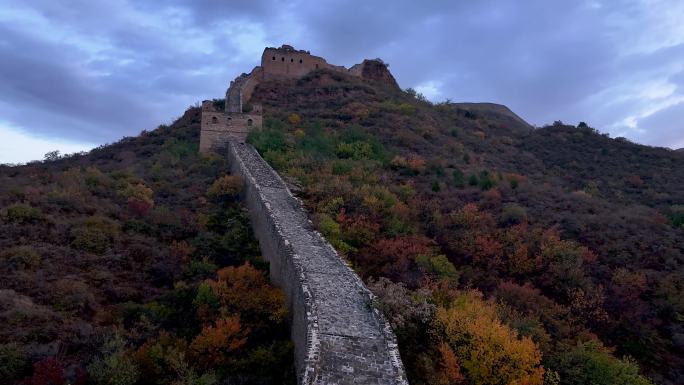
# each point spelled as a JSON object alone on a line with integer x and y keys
{"x": 338, "y": 334}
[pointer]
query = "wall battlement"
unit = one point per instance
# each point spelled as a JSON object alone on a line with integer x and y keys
{"x": 339, "y": 336}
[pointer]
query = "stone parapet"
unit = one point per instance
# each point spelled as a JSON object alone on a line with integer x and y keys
{"x": 338, "y": 334}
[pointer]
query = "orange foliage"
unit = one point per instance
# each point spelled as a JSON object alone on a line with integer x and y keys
{"x": 415, "y": 163}
{"x": 244, "y": 290}
{"x": 488, "y": 250}
{"x": 449, "y": 371}
{"x": 217, "y": 343}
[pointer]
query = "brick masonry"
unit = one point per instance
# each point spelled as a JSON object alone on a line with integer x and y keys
{"x": 339, "y": 335}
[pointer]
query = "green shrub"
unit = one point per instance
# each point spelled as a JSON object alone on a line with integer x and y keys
{"x": 219, "y": 104}
{"x": 95, "y": 178}
{"x": 439, "y": 266}
{"x": 328, "y": 226}
{"x": 227, "y": 186}
{"x": 332, "y": 206}
{"x": 14, "y": 364}
{"x": 202, "y": 268}
{"x": 21, "y": 257}
{"x": 94, "y": 234}
{"x": 205, "y": 296}
{"x": 458, "y": 178}
{"x": 277, "y": 159}
{"x": 513, "y": 214}
{"x": 114, "y": 366}
{"x": 355, "y": 150}
{"x": 590, "y": 363}
{"x": 472, "y": 180}
{"x": 407, "y": 109}
{"x": 267, "y": 139}
{"x": 677, "y": 216}
{"x": 486, "y": 181}
{"x": 23, "y": 213}
{"x": 342, "y": 167}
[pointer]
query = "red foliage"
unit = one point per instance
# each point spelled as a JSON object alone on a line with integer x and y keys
{"x": 47, "y": 372}
{"x": 394, "y": 257}
{"x": 449, "y": 371}
{"x": 138, "y": 207}
{"x": 635, "y": 181}
{"x": 357, "y": 230}
{"x": 488, "y": 251}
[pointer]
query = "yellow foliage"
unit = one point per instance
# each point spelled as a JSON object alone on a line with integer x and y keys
{"x": 489, "y": 352}
{"x": 294, "y": 119}
{"x": 228, "y": 185}
{"x": 140, "y": 192}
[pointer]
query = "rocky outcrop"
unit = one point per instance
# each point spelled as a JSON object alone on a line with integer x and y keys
{"x": 375, "y": 70}
{"x": 338, "y": 334}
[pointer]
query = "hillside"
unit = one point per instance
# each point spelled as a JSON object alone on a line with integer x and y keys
{"x": 135, "y": 264}
{"x": 500, "y": 253}
{"x": 568, "y": 243}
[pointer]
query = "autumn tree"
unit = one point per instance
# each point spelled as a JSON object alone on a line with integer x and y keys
{"x": 227, "y": 186}
{"x": 244, "y": 290}
{"x": 217, "y": 344}
{"x": 488, "y": 351}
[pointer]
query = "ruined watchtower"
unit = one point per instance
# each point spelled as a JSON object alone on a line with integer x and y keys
{"x": 240, "y": 116}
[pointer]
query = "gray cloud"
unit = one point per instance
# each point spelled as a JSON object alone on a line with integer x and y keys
{"x": 98, "y": 70}
{"x": 664, "y": 128}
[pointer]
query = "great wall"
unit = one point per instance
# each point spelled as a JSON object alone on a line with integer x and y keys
{"x": 339, "y": 336}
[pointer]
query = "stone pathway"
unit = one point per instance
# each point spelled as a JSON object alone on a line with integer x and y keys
{"x": 347, "y": 340}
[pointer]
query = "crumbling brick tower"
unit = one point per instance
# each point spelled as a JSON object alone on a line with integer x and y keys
{"x": 240, "y": 116}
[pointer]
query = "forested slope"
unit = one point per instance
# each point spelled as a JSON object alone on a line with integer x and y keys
{"x": 501, "y": 254}
{"x": 135, "y": 264}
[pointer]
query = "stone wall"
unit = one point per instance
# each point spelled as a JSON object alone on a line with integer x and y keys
{"x": 338, "y": 334}
{"x": 289, "y": 62}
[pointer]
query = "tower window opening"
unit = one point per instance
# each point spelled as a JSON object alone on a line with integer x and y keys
{"x": 282, "y": 59}
{"x": 249, "y": 122}
{"x": 291, "y": 60}
{"x": 300, "y": 61}
{"x": 214, "y": 120}
{"x": 273, "y": 58}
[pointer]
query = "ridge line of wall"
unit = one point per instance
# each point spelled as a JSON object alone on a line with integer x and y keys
{"x": 323, "y": 355}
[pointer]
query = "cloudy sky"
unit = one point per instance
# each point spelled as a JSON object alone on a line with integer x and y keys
{"x": 78, "y": 73}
